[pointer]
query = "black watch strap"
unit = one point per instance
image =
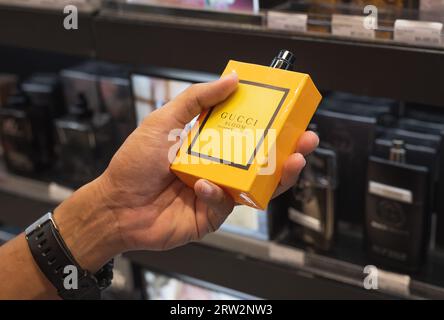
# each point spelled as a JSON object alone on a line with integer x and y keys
{"x": 53, "y": 256}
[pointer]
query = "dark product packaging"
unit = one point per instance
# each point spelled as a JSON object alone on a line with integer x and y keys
{"x": 430, "y": 137}
{"x": 115, "y": 90}
{"x": 8, "y": 84}
{"x": 311, "y": 203}
{"x": 349, "y": 124}
{"x": 85, "y": 144}
{"x": 106, "y": 88}
{"x": 397, "y": 211}
{"x": 44, "y": 91}
{"x": 18, "y": 136}
{"x": 27, "y": 124}
{"x": 351, "y": 137}
{"x": 82, "y": 79}
{"x": 432, "y": 123}
{"x": 416, "y": 153}
{"x": 384, "y": 110}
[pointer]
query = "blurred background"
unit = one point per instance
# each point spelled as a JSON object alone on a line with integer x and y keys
{"x": 71, "y": 91}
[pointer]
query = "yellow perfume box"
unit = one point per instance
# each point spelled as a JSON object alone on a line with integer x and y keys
{"x": 242, "y": 143}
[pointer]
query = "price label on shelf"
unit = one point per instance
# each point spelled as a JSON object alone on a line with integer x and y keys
{"x": 58, "y": 193}
{"x": 420, "y": 32}
{"x": 393, "y": 282}
{"x": 287, "y": 21}
{"x": 286, "y": 255}
{"x": 351, "y": 26}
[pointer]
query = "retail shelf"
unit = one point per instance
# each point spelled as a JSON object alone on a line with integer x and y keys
{"x": 40, "y": 198}
{"x": 5, "y": 236}
{"x": 259, "y": 268}
{"x": 33, "y": 189}
{"x": 226, "y": 259}
{"x": 374, "y": 68}
{"x": 41, "y": 27}
{"x": 242, "y": 273}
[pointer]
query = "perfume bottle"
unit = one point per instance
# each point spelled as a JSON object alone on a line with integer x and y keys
{"x": 17, "y": 135}
{"x": 27, "y": 127}
{"x": 311, "y": 203}
{"x": 85, "y": 143}
{"x": 82, "y": 79}
{"x": 115, "y": 91}
{"x": 432, "y": 123}
{"x": 45, "y": 92}
{"x": 8, "y": 84}
{"x": 397, "y": 211}
{"x": 242, "y": 143}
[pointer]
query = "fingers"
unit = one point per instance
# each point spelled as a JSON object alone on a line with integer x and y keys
{"x": 290, "y": 172}
{"x": 219, "y": 203}
{"x": 296, "y": 162}
{"x": 201, "y": 96}
{"x": 307, "y": 143}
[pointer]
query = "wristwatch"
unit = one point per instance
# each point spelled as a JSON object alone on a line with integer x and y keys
{"x": 59, "y": 266}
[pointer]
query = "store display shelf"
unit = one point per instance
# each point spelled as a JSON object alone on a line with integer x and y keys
{"x": 42, "y": 27}
{"x": 292, "y": 262}
{"x": 40, "y": 198}
{"x": 5, "y": 236}
{"x": 379, "y": 67}
{"x": 33, "y": 189}
{"x": 252, "y": 276}
{"x": 252, "y": 266}
{"x": 374, "y": 68}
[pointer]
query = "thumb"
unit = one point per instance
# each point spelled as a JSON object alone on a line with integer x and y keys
{"x": 200, "y": 97}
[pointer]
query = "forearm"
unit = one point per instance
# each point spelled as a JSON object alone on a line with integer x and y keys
{"x": 20, "y": 277}
{"x": 90, "y": 232}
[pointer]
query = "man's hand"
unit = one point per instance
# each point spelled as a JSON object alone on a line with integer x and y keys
{"x": 138, "y": 203}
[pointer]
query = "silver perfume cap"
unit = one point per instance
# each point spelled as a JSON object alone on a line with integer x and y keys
{"x": 397, "y": 151}
{"x": 284, "y": 60}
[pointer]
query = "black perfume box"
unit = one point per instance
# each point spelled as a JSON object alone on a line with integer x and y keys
{"x": 116, "y": 94}
{"x": 349, "y": 124}
{"x": 107, "y": 89}
{"x": 431, "y": 123}
{"x": 27, "y": 124}
{"x": 8, "y": 84}
{"x": 397, "y": 214}
{"x": 17, "y": 137}
{"x": 44, "y": 91}
{"x": 84, "y": 148}
{"x": 311, "y": 203}
{"x": 351, "y": 137}
{"x": 82, "y": 79}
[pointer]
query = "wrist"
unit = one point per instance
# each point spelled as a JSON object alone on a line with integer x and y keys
{"x": 88, "y": 227}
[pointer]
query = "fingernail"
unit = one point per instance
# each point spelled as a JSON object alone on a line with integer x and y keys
{"x": 304, "y": 161}
{"x": 206, "y": 188}
{"x": 232, "y": 75}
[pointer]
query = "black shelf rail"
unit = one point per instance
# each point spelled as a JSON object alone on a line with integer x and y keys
{"x": 246, "y": 275}
{"x": 42, "y": 29}
{"x": 375, "y": 68}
